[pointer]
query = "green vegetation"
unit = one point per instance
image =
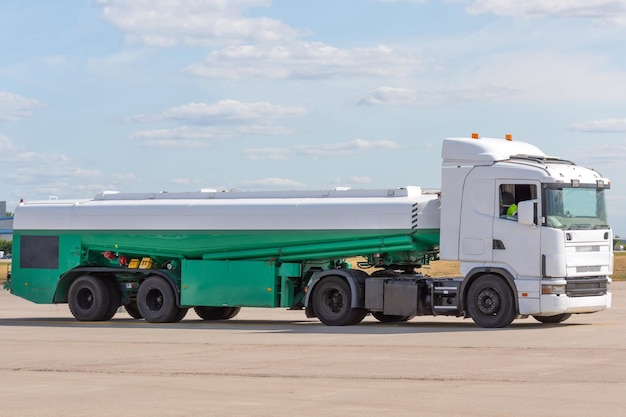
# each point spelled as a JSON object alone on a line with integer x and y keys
{"x": 6, "y": 246}
{"x": 619, "y": 266}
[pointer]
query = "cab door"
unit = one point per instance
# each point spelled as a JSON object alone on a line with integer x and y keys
{"x": 514, "y": 244}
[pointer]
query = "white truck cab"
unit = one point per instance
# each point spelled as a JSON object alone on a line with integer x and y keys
{"x": 537, "y": 221}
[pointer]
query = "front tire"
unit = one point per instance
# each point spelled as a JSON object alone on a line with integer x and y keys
{"x": 553, "y": 319}
{"x": 156, "y": 301}
{"x": 390, "y": 318}
{"x": 89, "y": 299}
{"x": 332, "y": 303}
{"x": 490, "y": 302}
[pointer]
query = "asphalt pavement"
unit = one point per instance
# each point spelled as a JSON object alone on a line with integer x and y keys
{"x": 274, "y": 362}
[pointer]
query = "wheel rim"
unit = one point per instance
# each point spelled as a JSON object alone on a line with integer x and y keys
{"x": 85, "y": 298}
{"x": 154, "y": 299}
{"x": 489, "y": 301}
{"x": 332, "y": 300}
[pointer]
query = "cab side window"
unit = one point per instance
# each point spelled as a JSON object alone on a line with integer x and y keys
{"x": 511, "y": 195}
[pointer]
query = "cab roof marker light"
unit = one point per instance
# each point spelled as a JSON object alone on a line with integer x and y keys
{"x": 508, "y": 137}
{"x": 575, "y": 183}
{"x": 475, "y": 136}
{"x": 600, "y": 183}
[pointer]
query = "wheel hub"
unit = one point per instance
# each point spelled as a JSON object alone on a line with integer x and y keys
{"x": 488, "y": 301}
{"x": 334, "y": 301}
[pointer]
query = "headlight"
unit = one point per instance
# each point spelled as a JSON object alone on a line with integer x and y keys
{"x": 556, "y": 289}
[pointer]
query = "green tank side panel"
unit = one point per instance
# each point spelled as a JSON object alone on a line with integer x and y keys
{"x": 236, "y": 283}
{"x": 196, "y": 244}
{"x": 41, "y": 257}
{"x": 38, "y": 262}
{"x": 221, "y": 244}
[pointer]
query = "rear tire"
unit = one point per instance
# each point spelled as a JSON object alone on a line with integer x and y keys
{"x": 490, "y": 302}
{"x": 156, "y": 301}
{"x": 332, "y": 300}
{"x": 216, "y": 313}
{"x": 182, "y": 312}
{"x": 115, "y": 298}
{"x": 553, "y": 319}
{"x": 89, "y": 299}
{"x": 133, "y": 310}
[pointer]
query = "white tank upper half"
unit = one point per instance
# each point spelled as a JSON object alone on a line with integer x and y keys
{"x": 288, "y": 210}
{"x": 485, "y": 150}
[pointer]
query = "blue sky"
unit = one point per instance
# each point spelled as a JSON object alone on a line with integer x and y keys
{"x": 151, "y": 95}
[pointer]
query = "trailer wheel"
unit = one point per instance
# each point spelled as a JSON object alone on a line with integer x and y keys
{"x": 553, "y": 319}
{"x": 89, "y": 299}
{"x": 490, "y": 302}
{"x": 390, "y": 318}
{"x": 115, "y": 298}
{"x": 156, "y": 301}
{"x": 133, "y": 310}
{"x": 182, "y": 312}
{"x": 216, "y": 313}
{"x": 332, "y": 303}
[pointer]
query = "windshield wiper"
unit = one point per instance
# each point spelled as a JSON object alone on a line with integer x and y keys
{"x": 579, "y": 226}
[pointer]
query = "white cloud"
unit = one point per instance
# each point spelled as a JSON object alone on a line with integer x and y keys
{"x": 226, "y": 111}
{"x": 179, "y": 138}
{"x": 272, "y": 154}
{"x": 611, "y": 12}
{"x": 390, "y": 96}
{"x": 305, "y": 60}
{"x": 397, "y": 96}
{"x": 6, "y": 145}
{"x": 360, "y": 180}
{"x": 14, "y": 108}
{"x": 352, "y": 147}
{"x": 273, "y": 182}
{"x": 199, "y": 22}
{"x": 533, "y": 76}
{"x": 346, "y": 148}
{"x": 601, "y": 126}
{"x": 223, "y": 120}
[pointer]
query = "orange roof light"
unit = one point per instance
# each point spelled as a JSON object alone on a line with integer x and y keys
{"x": 508, "y": 136}
{"x": 474, "y": 135}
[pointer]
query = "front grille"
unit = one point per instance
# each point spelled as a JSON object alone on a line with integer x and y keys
{"x": 586, "y": 287}
{"x": 589, "y": 268}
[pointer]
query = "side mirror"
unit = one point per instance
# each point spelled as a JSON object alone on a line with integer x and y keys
{"x": 527, "y": 212}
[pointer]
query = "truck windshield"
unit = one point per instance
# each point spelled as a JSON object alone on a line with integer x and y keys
{"x": 575, "y": 208}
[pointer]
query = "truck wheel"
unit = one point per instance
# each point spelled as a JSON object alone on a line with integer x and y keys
{"x": 390, "y": 318}
{"x": 332, "y": 303}
{"x": 216, "y": 313}
{"x": 182, "y": 312}
{"x": 156, "y": 301}
{"x": 89, "y": 299}
{"x": 133, "y": 310}
{"x": 490, "y": 302}
{"x": 115, "y": 298}
{"x": 553, "y": 319}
